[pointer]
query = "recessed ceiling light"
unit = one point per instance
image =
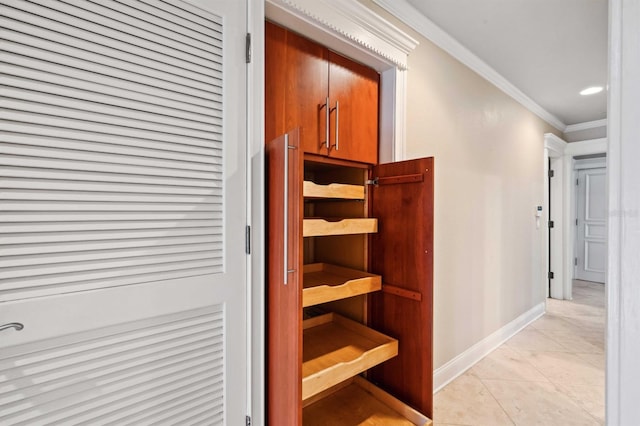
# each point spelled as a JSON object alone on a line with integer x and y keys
{"x": 591, "y": 90}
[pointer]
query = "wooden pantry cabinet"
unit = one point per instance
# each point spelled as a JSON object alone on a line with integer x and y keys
{"x": 349, "y": 289}
{"x": 333, "y": 100}
{"x": 350, "y": 249}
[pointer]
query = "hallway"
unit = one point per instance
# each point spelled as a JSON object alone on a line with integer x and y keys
{"x": 550, "y": 373}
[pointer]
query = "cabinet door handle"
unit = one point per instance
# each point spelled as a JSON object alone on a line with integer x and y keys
{"x": 327, "y": 113}
{"x": 285, "y": 248}
{"x": 337, "y": 108}
{"x": 15, "y": 325}
{"x": 285, "y": 173}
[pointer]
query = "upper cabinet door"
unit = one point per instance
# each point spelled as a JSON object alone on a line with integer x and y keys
{"x": 402, "y": 253}
{"x": 353, "y": 95}
{"x": 331, "y": 99}
{"x": 296, "y": 88}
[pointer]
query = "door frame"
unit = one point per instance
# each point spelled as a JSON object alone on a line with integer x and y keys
{"x": 623, "y": 298}
{"x": 553, "y": 156}
{"x": 562, "y": 154}
{"x": 256, "y": 296}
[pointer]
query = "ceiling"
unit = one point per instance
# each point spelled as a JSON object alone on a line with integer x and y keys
{"x": 549, "y": 49}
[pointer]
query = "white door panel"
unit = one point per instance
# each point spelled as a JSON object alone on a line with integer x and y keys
{"x": 122, "y": 212}
{"x": 591, "y": 225}
{"x": 108, "y": 355}
{"x": 595, "y": 256}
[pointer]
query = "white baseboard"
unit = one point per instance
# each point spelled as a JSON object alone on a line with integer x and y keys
{"x": 458, "y": 365}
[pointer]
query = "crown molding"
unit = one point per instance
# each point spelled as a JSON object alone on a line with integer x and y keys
{"x": 586, "y": 125}
{"x": 354, "y": 22}
{"x": 423, "y": 25}
{"x": 554, "y": 143}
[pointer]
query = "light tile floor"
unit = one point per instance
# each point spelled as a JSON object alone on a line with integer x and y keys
{"x": 550, "y": 373}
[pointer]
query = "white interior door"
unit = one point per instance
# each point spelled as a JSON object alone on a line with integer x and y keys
{"x": 591, "y": 225}
{"x": 122, "y": 212}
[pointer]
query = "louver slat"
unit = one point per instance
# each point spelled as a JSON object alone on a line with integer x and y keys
{"x": 135, "y": 372}
{"x": 111, "y": 155}
{"x": 34, "y": 60}
{"x": 130, "y": 29}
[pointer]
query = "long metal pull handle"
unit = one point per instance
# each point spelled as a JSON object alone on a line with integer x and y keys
{"x": 337, "y": 125}
{"x": 15, "y": 325}
{"x": 285, "y": 261}
{"x": 327, "y": 115}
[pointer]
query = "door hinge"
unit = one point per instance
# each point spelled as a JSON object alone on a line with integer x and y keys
{"x": 248, "y": 48}
{"x": 372, "y": 182}
{"x": 550, "y": 275}
{"x": 550, "y": 224}
{"x": 247, "y": 239}
{"x": 577, "y": 182}
{"x": 247, "y": 421}
{"x": 576, "y": 221}
{"x": 551, "y": 173}
{"x": 575, "y": 261}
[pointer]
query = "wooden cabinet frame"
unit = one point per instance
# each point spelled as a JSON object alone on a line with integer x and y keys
{"x": 400, "y": 252}
{"x": 332, "y": 98}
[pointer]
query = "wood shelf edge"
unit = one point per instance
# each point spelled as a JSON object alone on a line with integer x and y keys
{"x": 333, "y": 191}
{"x": 387, "y": 348}
{"x": 319, "y": 227}
{"x": 355, "y": 283}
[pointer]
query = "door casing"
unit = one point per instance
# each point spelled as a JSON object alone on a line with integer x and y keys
{"x": 555, "y": 147}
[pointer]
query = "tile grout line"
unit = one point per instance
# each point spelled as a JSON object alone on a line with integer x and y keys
{"x": 496, "y": 400}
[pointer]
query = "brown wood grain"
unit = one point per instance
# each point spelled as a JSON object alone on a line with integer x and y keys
{"x": 333, "y": 190}
{"x": 402, "y": 253}
{"x": 336, "y": 348}
{"x": 315, "y": 227}
{"x": 335, "y": 161}
{"x": 284, "y": 317}
{"x": 324, "y": 282}
{"x": 306, "y": 91}
{"x": 296, "y": 85}
{"x": 299, "y": 76}
{"x": 358, "y": 402}
{"x": 355, "y": 87}
{"x": 275, "y": 75}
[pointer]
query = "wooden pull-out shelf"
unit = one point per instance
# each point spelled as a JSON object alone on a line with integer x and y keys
{"x": 318, "y": 227}
{"x": 336, "y": 348}
{"x": 333, "y": 190}
{"x": 324, "y": 282}
{"x": 358, "y": 402}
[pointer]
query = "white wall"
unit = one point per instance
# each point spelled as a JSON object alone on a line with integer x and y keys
{"x": 488, "y": 153}
{"x": 487, "y": 149}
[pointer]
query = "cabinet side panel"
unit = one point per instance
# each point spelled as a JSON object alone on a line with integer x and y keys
{"x": 275, "y": 79}
{"x": 402, "y": 252}
{"x": 284, "y": 321}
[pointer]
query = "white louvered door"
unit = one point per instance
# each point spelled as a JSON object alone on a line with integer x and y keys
{"x": 122, "y": 212}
